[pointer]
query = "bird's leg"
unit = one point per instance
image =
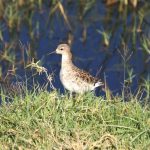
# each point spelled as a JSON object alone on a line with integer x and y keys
{"x": 70, "y": 95}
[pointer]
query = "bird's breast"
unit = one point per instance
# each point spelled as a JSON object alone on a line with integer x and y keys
{"x": 72, "y": 82}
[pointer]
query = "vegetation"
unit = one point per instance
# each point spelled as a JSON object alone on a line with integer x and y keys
{"x": 48, "y": 120}
{"x": 31, "y": 117}
{"x": 21, "y": 15}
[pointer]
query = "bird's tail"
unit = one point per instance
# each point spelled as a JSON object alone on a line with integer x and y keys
{"x": 99, "y": 83}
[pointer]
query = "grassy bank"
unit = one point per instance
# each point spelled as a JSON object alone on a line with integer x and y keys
{"x": 49, "y": 120}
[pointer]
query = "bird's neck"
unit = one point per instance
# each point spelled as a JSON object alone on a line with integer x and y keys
{"x": 66, "y": 60}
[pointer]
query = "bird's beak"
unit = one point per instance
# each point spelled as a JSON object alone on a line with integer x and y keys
{"x": 56, "y": 51}
{"x": 51, "y": 52}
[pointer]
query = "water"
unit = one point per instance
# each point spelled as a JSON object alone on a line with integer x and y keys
{"x": 90, "y": 53}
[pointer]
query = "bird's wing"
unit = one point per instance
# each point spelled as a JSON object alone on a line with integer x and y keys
{"x": 86, "y": 76}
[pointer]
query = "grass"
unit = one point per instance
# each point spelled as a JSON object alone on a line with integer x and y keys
{"x": 48, "y": 120}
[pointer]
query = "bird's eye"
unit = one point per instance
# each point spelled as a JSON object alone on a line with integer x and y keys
{"x": 61, "y": 49}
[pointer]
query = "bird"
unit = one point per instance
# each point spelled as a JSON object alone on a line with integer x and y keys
{"x": 73, "y": 78}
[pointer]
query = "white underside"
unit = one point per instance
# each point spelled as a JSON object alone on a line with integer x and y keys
{"x": 76, "y": 85}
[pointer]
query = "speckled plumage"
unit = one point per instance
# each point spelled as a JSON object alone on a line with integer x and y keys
{"x": 73, "y": 78}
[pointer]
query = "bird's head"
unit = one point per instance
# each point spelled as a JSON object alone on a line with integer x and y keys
{"x": 63, "y": 49}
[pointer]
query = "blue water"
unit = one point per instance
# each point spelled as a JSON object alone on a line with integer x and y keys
{"x": 90, "y": 55}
